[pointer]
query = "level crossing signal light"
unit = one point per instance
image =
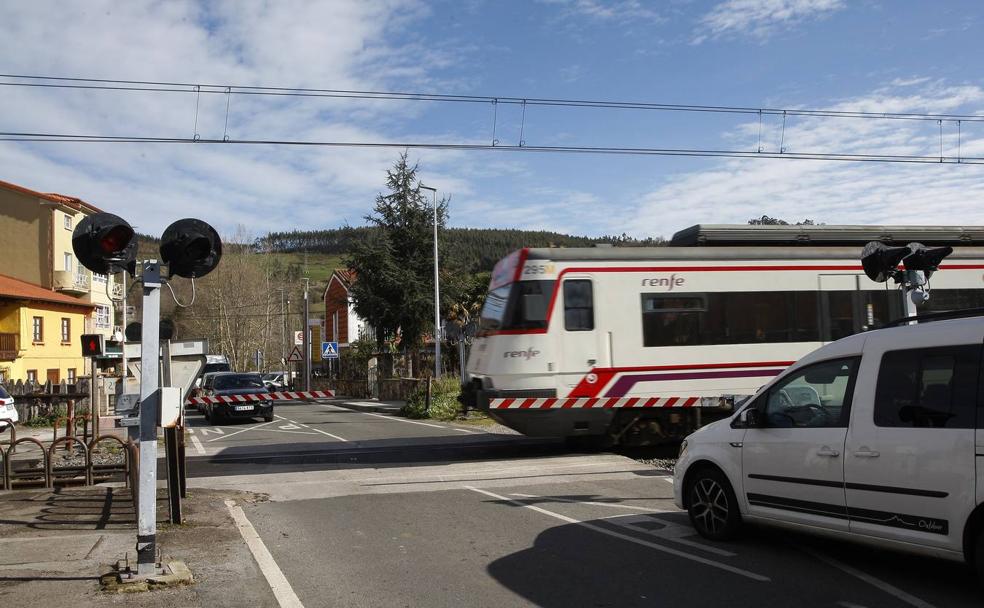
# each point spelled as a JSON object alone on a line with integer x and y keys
{"x": 93, "y": 345}
{"x": 190, "y": 248}
{"x": 881, "y": 262}
{"x": 104, "y": 244}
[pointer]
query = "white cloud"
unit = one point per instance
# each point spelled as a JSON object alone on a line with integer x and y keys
{"x": 838, "y": 192}
{"x": 344, "y": 44}
{"x": 760, "y": 18}
{"x": 609, "y": 10}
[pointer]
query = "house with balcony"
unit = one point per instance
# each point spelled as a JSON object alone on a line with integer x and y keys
{"x": 39, "y": 333}
{"x": 36, "y": 232}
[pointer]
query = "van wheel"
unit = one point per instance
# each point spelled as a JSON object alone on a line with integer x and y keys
{"x": 979, "y": 557}
{"x": 712, "y": 505}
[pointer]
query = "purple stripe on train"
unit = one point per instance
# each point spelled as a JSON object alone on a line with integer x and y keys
{"x": 625, "y": 383}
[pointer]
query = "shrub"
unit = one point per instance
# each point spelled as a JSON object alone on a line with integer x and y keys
{"x": 444, "y": 400}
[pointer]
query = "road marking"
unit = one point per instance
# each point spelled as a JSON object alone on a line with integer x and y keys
{"x": 875, "y": 582}
{"x": 436, "y": 426}
{"x": 191, "y": 430}
{"x": 313, "y": 429}
{"x": 268, "y": 566}
{"x": 216, "y": 431}
{"x": 631, "y": 539}
{"x": 195, "y": 441}
{"x": 597, "y": 504}
{"x": 465, "y": 430}
{"x": 249, "y": 428}
{"x": 670, "y": 531}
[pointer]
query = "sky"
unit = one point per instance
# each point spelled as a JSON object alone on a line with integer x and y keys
{"x": 858, "y": 55}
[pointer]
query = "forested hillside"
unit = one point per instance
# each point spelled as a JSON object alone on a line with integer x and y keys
{"x": 471, "y": 249}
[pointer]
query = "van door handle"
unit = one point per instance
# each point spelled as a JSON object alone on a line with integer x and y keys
{"x": 592, "y": 361}
{"x": 826, "y": 451}
{"x": 866, "y": 453}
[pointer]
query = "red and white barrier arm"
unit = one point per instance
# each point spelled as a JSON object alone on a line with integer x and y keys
{"x": 278, "y": 396}
{"x": 521, "y": 403}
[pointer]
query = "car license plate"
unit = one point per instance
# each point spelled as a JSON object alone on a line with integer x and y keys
{"x": 243, "y": 408}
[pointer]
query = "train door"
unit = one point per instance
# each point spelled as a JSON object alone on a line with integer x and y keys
{"x": 578, "y": 330}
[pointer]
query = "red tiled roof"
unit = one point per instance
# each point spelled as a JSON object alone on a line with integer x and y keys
{"x": 22, "y": 290}
{"x": 61, "y": 199}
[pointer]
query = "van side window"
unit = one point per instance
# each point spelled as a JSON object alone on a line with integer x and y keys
{"x": 928, "y": 387}
{"x": 578, "y": 305}
{"x": 816, "y": 396}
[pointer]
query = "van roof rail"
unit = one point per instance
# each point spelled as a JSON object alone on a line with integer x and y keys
{"x": 937, "y": 316}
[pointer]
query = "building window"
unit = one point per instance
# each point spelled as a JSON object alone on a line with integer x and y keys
{"x": 68, "y": 261}
{"x": 103, "y": 319}
{"x": 38, "y": 327}
{"x": 32, "y": 376}
{"x": 578, "y": 305}
{"x": 68, "y": 222}
{"x": 99, "y": 278}
{"x": 66, "y": 327}
{"x": 71, "y": 375}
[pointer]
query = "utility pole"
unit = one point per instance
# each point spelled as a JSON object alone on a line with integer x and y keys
{"x": 149, "y": 362}
{"x": 437, "y": 291}
{"x": 307, "y": 338}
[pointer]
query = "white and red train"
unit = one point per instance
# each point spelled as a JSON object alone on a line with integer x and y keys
{"x": 640, "y": 345}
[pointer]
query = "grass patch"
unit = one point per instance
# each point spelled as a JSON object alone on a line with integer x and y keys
{"x": 444, "y": 400}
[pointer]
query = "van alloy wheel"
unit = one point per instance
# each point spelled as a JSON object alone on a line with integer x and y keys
{"x": 713, "y": 507}
{"x": 710, "y": 505}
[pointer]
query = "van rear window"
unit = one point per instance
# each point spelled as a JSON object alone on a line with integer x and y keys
{"x": 928, "y": 387}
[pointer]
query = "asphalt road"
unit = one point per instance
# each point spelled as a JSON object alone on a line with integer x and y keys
{"x": 312, "y": 436}
{"x": 373, "y": 510}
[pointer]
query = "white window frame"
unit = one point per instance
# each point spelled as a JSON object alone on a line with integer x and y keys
{"x": 68, "y": 222}
{"x": 67, "y": 257}
{"x": 103, "y": 317}
{"x": 99, "y": 278}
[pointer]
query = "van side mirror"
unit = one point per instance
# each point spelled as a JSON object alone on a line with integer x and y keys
{"x": 749, "y": 418}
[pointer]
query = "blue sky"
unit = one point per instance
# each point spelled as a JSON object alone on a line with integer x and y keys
{"x": 819, "y": 54}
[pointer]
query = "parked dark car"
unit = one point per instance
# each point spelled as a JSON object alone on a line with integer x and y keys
{"x": 231, "y": 384}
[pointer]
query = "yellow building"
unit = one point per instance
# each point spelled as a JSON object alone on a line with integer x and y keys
{"x": 39, "y": 333}
{"x": 36, "y": 247}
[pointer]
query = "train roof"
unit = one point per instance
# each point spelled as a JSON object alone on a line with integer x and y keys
{"x": 800, "y": 252}
{"x": 824, "y": 235}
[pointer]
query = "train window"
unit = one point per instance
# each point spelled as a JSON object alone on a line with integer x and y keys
{"x": 521, "y": 305}
{"x": 578, "y": 305}
{"x": 672, "y": 320}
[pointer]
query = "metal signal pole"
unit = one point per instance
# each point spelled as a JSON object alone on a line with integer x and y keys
{"x": 149, "y": 376}
{"x": 437, "y": 290}
{"x": 307, "y": 339}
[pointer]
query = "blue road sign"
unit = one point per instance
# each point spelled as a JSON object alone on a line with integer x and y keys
{"x": 329, "y": 350}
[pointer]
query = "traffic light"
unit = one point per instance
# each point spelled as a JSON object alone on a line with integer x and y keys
{"x": 104, "y": 243}
{"x": 925, "y": 258}
{"x": 93, "y": 345}
{"x": 880, "y": 262}
{"x": 190, "y": 248}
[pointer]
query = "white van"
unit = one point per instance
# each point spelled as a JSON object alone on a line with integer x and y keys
{"x": 878, "y": 437}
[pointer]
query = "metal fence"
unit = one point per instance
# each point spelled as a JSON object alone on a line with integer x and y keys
{"x": 66, "y": 460}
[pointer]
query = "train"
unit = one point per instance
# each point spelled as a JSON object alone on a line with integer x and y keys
{"x": 643, "y": 345}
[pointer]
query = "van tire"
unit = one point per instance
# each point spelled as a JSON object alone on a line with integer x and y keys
{"x": 979, "y": 556}
{"x": 712, "y": 504}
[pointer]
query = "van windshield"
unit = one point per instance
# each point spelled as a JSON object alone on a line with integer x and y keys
{"x": 3, "y": 393}
{"x": 519, "y": 305}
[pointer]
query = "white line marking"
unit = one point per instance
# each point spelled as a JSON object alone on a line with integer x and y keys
{"x": 631, "y": 539}
{"x": 191, "y": 430}
{"x": 314, "y": 429}
{"x": 598, "y": 504}
{"x": 397, "y": 419}
{"x": 271, "y": 571}
{"x": 216, "y": 431}
{"x": 875, "y": 582}
{"x": 469, "y": 431}
{"x": 195, "y": 441}
{"x": 250, "y": 428}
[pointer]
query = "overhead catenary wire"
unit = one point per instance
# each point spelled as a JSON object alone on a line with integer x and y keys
{"x": 701, "y": 152}
{"x": 20, "y": 80}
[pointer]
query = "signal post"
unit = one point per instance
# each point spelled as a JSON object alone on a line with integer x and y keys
{"x": 105, "y": 243}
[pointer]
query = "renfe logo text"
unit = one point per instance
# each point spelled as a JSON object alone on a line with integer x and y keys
{"x": 524, "y": 354}
{"x": 669, "y": 282}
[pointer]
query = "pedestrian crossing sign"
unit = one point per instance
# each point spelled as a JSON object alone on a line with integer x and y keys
{"x": 329, "y": 350}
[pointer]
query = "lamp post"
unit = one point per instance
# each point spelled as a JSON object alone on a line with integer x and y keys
{"x": 437, "y": 291}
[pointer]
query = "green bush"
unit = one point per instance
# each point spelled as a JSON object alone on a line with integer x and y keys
{"x": 444, "y": 400}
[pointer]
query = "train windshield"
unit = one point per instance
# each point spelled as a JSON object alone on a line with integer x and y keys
{"x": 519, "y": 305}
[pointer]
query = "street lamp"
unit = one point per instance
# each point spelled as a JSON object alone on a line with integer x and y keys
{"x": 437, "y": 290}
